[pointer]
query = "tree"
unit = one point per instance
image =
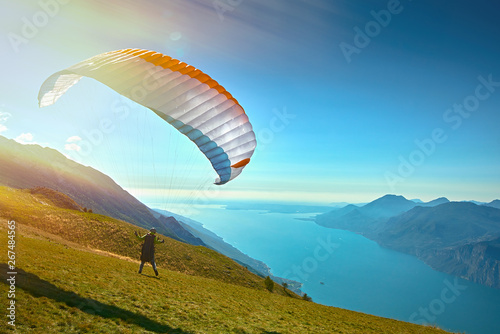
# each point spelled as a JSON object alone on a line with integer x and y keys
{"x": 285, "y": 286}
{"x": 269, "y": 284}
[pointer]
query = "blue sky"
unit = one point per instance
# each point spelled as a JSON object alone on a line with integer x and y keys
{"x": 350, "y": 100}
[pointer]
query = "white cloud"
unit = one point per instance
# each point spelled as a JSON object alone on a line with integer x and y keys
{"x": 72, "y": 144}
{"x": 25, "y": 138}
{"x": 73, "y": 139}
{"x": 4, "y": 116}
{"x": 72, "y": 147}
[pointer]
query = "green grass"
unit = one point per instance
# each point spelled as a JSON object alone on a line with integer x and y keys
{"x": 98, "y": 232}
{"x": 65, "y": 286}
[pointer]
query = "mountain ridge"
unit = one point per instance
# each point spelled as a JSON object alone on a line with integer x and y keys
{"x": 28, "y": 166}
{"x": 363, "y": 219}
{"x": 459, "y": 238}
{"x": 495, "y": 204}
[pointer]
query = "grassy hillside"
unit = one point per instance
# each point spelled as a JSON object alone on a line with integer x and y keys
{"x": 77, "y": 273}
{"x": 28, "y": 166}
{"x": 37, "y": 214}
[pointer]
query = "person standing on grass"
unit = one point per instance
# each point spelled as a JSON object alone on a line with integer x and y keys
{"x": 148, "y": 248}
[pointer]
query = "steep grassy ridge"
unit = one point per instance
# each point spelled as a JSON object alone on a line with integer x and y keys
{"x": 88, "y": 230}
{"x": 65, "y": 285}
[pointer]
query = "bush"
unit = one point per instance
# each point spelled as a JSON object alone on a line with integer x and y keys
{"x": 307, "y": 298}
{"x": 269, "y": 284}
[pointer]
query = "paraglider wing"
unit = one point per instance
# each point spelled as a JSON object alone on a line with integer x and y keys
{"x": 188, "y": 99}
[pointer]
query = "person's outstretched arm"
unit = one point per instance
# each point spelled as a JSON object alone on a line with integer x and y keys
{"x": 138, "y": 236}
{"x": 158, "y": 241}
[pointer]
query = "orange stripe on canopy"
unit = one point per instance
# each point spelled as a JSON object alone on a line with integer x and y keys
{"x": 241, "y": 163}
{"x": 183, "y": 68}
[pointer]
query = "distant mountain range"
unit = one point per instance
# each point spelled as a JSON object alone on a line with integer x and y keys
{"x": 31, "y": 166}
{"x": 362, "y": 219}
{"x": 459, "y": 238}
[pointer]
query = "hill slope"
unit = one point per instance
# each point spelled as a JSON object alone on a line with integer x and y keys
{"x": 28, "y": 166}
{"x": 65, "y": 285}
{"x": 36, "y": 212}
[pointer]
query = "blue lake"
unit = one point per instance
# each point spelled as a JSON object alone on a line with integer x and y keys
{"x": 343, "y": 269}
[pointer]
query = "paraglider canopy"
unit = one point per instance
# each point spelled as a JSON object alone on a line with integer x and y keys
{"x": 188, "y": 99}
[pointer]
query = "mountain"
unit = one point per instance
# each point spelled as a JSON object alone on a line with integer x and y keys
{"x": 349, "y": 218}
{"x": 77, "y": 273}
{"x": 478, "y": 261}
{"x": 365, "y": 219}
{"x": 180, "y": 231}
{"x": 460, "y": 238}
{"x": 28, "y": 166}
{"x": 387, "y": 206}
{"x": 475, "y": 202}
{"x": 58, "y": 199}
{"x": 445, "y": 225}
{"x": 437, "y": 201}
{"x": 494, "y": 204}
{"x": 340, "y": 205}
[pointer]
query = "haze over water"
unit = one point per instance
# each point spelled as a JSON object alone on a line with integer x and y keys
{"x": 343, "y": 269}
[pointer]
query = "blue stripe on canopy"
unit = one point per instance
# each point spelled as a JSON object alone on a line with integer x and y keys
{"x": 215, "y": 154}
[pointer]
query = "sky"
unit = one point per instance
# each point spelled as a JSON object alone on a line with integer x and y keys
{"x": 349, "y": 100}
